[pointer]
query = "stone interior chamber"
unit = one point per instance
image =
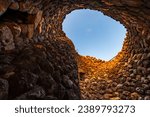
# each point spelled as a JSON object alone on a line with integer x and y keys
{"x": 38, "y": 60}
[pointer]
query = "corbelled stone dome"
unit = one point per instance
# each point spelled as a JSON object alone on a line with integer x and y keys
{"x": 38, "y": 61}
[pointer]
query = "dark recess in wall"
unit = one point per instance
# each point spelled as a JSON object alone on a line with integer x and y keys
{"x": 17, "y": 16}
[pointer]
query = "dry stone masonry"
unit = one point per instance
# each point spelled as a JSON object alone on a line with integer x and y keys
{"x": 38, "y": 61}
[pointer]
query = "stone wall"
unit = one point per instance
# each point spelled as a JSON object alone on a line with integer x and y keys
{"x": 38, "y": 61}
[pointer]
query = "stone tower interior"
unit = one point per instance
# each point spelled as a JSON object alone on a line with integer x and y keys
{"x": 38, "y": 60}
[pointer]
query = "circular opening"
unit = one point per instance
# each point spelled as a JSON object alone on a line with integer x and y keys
{"x": 94, "y": 34}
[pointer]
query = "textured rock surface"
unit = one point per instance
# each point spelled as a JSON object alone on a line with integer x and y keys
{"x": 38, "y": 61}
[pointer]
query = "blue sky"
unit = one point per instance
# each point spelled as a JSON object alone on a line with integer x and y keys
{"x": 94, "y": 34}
